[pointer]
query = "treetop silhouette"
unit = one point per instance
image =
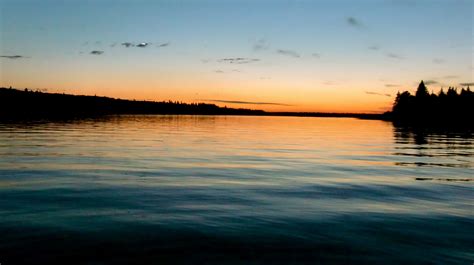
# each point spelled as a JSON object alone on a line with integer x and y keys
{"x": 425, "y": 108}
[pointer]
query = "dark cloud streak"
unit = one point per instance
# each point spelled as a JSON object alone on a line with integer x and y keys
{"x": 289, "y": 53}
{"x": 430, "y": 82}
{"x": 127, "y": 44}
{"x": 352, "y": 21}
{"x": 96, "y": 52}
{"x": 394, "y": 56}
{"x": 238, "y": 60}
{"x": 142, "y": 44}
{"x": 245, "y": 102}
{"x": 13, "y": 57}
{"x": 377, "y": 94}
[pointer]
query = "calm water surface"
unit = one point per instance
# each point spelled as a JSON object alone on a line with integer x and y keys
{"x": 234, "y": 190}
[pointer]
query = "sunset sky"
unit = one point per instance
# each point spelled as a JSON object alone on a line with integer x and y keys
{"x": 332, "y": 56}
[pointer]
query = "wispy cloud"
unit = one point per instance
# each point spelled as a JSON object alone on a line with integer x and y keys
{"x": 13, "y": 57}
{"x": 467, "y": 84}
{"x": 230, "y": 71}
{"x": 289, "y": 53}
{"x": 316, "y": 55}
{"x": 261, "y": 45}
{"x": 245, "y": 102}
{"x": 238, "y": 60}
{"x": 430, "y": 82}
{"x": 374, "y": 47}
{"x": 164, "y": 44}
{"x": 127, "y": 44}
{"x": 352, "y": 21}
{"x": 377, "y": 94}
{"x": 392, "y": 85}
{"x": 96, "y": 52}
{"x": 450, "y": 76}
{"x": 438, "y": 60}
{"x": 142, "y": 44}
{"x": 394, "y": 56}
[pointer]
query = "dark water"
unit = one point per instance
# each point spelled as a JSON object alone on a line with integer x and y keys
{"x": 234, "y": 190}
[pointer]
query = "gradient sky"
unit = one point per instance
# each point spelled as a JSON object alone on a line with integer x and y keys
{"x": 337, "y": 56}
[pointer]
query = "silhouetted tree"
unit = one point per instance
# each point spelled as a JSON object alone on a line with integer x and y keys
{"x": 451, "y": 107}
{"x": 422, "y": 91}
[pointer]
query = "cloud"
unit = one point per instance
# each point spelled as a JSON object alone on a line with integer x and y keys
{"x": 374, "y": 48}
{"x": 289, "y": 53}
{"x": 96, "y": 52}
{"x": 164, "y": 44}
{"x": 450, "y": 76}
{"x": 467, "y": 84}
{"x": 392, "y": 85}
{"x": 354, "y": 22}
{"x": 127, "y": 44}
{"x": 316, "y": 55}
{"x": 238, "y": 60}
{"x": 245, "y": 102}
{"x": 394, "y": 56}
{"x": 142, "y": 44}
{"x": 13, "y": 57}
{"x": 438, "y": 61}
{"x": 113, "y": 44}
{"x": 261, "y": 45}
{"x": 377, "y": 94}
{"x": 223, "y": 72}
{"x": 430, "y": 82}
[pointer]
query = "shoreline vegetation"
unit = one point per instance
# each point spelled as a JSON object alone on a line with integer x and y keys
{"x": 451, "y": 108}
{"x": 31, "y": 104}
{"x": 424, "y": 109}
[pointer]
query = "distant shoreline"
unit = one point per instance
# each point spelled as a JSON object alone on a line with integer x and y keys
{"x": 28, "y": 104}
{"x": 24, "y": 105}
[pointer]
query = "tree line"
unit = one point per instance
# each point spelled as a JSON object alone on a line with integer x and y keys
{"x": 450, "y": 107}
{"x": 26, "y": 103}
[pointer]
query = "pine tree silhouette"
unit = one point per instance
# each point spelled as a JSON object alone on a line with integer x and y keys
{"x": 444, "y": 108}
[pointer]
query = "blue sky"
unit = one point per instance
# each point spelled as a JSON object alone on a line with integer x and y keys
{"x": 311, "y": 55}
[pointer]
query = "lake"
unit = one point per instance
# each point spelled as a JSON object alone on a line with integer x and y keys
{"x": 164, "y": 189}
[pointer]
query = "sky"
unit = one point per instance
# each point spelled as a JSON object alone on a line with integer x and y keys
{"x": 322, "y": 56}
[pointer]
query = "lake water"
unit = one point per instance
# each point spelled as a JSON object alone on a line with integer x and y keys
{"x": 234, "y": 190}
